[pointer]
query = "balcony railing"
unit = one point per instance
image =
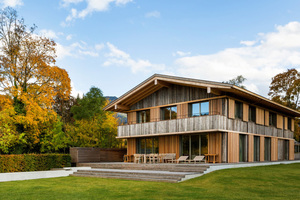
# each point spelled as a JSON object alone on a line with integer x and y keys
{"x": 202, "y": 123}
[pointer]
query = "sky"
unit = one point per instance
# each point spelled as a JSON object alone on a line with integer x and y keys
{"x": 116, "y": 44}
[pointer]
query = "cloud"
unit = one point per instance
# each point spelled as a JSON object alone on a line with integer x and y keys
{"x": 154, "y": 14}
{"x": 117, "y": 57}
{"x": 75, "y": 92}
{"x": 181, "y": 53}
{"x": 99, "y": 46}
{"x": 92, "y": 6}
{"x": 248, "y": 43}
{"x": 258, "y": 62}
{"x": 76, "y": 50}
{"x": 11, "y": 3}
{"x": 49, "y": 34}
{"x": 69, "y": 37}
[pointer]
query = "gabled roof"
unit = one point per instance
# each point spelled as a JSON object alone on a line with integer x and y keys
{"x": 158, "y": 81}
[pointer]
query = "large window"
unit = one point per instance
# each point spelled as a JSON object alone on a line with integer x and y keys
{"x": 194, "y": 145}
{"x": 252, "y": 114}
{"x": 169, "y": 113}
{"x": 143, "y": 116}
{"x": 199, "y": 109}
{"x": 272, "y": 119}
{"x": 147, "y": 145}
{"x": 238, "y": 110}
{"x": 267, "y": 149}
{"x": 256, "y": 148}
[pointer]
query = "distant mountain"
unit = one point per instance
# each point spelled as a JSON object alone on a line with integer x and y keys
{"x": 110, "y": 98}
{"x": 121, "y": 116}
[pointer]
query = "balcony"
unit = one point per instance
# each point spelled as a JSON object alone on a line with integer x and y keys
{"x": 201, "y": 124}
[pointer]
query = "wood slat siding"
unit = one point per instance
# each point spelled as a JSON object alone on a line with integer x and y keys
{"x": 172, "y": 94}
{"x": 291, "y": 150}
{"x": 216, "y": 107}
{"x": 267, "y": 118}
{"x": 279, "y": 121}
{"x": 260, "y": 116}
{"x": 262, "y": 148}
{"x": 245, "y": 112}
{"x": 285, "y": 119}
{"x": 131, "y": 118}
{"x": 182, "y": 111}
{"x": 154, "y": 114}
{"x": 215, "y": 145}
{"x": 169, "y": 144}
{"x": 233, "y": 147}
{"x": 292, "y": 124}
{"x": 274, "y": 149}
{"x": 131, "y": 146}
{"x": 250, "y": 148}
{"x": 202, "y": 123}
{"x": 231, "y": 108}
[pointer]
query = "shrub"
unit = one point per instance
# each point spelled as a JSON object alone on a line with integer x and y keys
{"x": 33, "y": 162}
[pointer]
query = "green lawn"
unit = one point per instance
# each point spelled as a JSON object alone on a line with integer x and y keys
{"x": 269, "y": 182}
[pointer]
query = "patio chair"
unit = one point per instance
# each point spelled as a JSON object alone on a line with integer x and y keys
{"x": 197, "y": 159}
{"x": 153, "y": 158}
{"x": 181, "y": 159}
{"x": 169, "y": 157}
{"x": 138, "y": 158}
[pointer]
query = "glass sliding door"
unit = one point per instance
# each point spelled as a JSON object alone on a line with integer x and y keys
{"x": 267, "y": 149}
{"x": 242, "y": 148}
{"x": 286, "y": 149}
{"x": 147, "y": 145}
{"x": 193, "y": 145}
{"x": 256, "y": 148}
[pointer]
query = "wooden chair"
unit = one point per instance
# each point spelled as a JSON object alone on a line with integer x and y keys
{"x": 138, "y": 158}
{"x": 197, "y": 159}
{"x": 181, "y": 159}
{"x": 169, "y": 157}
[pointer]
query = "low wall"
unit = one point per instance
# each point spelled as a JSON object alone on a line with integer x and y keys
{"x": 90, "y": 154}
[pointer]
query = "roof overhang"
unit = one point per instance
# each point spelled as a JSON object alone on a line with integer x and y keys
{"x": 158, "y": 81}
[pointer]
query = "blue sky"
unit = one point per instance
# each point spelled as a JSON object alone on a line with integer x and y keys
{"x": 116, "y": 44}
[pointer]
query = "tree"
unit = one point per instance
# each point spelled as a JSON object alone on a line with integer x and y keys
{"x": 29, "y": 77}
{"x": 285, "y": 88}
{"x": 238, "y": 81}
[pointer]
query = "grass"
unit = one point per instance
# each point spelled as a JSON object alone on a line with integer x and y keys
{"x": 267, "y": 182}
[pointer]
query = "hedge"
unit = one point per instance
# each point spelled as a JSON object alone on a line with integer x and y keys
{"x": 33, "y": 162}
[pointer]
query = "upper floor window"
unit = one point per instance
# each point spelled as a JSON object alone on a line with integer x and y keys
{"x": 143, "y": 116}
{"x": 199, "y": 109}
{"x": 289, "y": 125}
{"x": 252, "y": 114}
{"x": 238, "y": 110}
{"x": 169, "y": 112}
{"x": 272, "y": 119}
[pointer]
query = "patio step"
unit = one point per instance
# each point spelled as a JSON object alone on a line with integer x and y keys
{"x": 132, "y": 175}
{"x": 199, "y": 168}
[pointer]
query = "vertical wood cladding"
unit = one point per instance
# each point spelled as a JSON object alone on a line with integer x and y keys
{"x": 279, "y": 121}
{"x": 215, "y": 145}
{"x": 245, "y": 112}
{"x": 274, "y": 149}
{"x": 154, "y": 114}
{"x": 250, "y": 148}
{"x": 233, "y": 147}
{"x": 182, "y": 111}
{"x": 216, "y": 107}
{"x": 169, "y": 144}
{"x": 293, "y": 125}
{"x": 260, "y": 116}
{"x": 262, "y": 148}
{"x": 172, "y": 94}
{"x": 285, "y": 120}
{"x": 267, "y": 118}
{"x": 131, "y": 118}
{"x": 291, "y": 150}
{"x": 131, "y": 146}
{"x": 231, "y": 108}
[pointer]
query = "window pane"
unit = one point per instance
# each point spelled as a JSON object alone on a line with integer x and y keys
{"x": 174, "y": 112}
{"x": 185, "y": 145}
{"x": 195, "y": 146}
{"x": 155, "y": 145}
{"x": 149, "y": 145}
{"x": 204, "y": 146}
{"x": 195, "y": 109}
{"x": 238, "y": 110}
{"x": 142, "y": 142}
{"x": 147, "y": 115}
{"x": 205, "y": 108}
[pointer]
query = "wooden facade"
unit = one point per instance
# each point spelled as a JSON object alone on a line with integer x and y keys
{"x": 226, "y": 123}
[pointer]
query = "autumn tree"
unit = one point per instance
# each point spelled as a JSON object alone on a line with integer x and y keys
{"x": 285, "y": 88}
{"x": 29, "y": 77}
{"x": 238, "y": 81}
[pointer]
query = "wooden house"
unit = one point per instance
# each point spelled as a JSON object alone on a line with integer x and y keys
{"x": 168, "y": 114}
